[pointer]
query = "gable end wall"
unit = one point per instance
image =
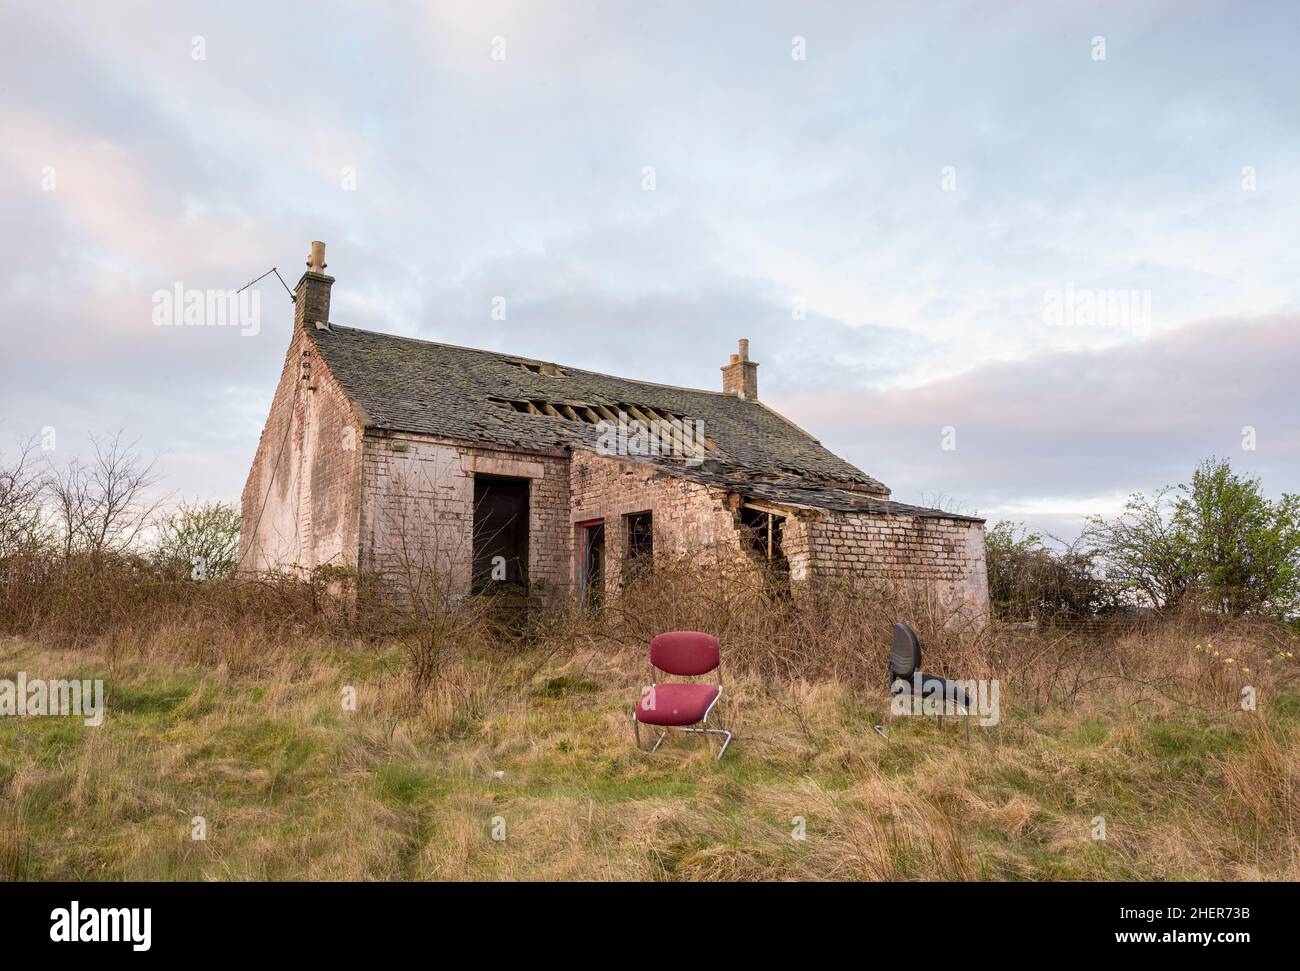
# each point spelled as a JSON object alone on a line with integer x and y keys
{"x": 301, "y": 505}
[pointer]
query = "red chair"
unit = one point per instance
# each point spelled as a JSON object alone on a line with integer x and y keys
{"x": 682, "y": 705}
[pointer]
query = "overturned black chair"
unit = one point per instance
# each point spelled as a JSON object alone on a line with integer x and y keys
{"x": 906, "y": 677}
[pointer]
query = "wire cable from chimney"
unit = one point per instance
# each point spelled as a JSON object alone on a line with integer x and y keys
{"x": 264, "y": 276}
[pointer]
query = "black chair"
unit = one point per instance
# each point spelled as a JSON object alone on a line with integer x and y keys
{"x": 904, "y": 668}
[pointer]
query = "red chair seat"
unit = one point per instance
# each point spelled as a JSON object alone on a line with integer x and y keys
{"x": 676, "y": 704}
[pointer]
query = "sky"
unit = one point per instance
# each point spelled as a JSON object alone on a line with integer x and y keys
{"x": 1017, "y": 259}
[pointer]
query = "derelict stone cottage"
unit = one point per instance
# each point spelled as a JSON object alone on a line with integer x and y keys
{"x": 384, "y": 454}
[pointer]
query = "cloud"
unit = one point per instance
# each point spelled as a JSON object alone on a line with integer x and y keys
{"x": 1063, "y": 434}
{"x": 778, "y": 182}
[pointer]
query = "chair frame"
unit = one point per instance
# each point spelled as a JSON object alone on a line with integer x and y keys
{"x": 895, "y": 680}
{"x": 958, "y": 709}
{"x": 700, "y": 727}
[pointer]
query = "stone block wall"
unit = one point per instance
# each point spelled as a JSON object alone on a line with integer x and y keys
{"x": 944, "y": 555}
{"x": 418, "y": 511}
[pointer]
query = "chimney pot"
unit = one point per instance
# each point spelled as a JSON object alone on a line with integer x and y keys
{"x": 316, "y": 258}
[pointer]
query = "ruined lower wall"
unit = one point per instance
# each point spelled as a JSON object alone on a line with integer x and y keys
{"x": 942, "y": 556}
{"x": 301, "y": 503}
{"x": 945, "y": 556}
{"x": 418, "y": 511}
{"x": 688, "y": 518}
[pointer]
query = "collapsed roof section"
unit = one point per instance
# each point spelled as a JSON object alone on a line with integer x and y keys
{"x": 409, "y": 385}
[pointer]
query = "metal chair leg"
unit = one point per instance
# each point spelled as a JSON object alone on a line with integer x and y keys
{"x": 636, "y": 731}
{"x": 636, "y": 728}
{"x": 713, "y": 731}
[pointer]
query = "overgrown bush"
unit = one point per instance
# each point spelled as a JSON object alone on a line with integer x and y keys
{"x": 1029, "y": 580}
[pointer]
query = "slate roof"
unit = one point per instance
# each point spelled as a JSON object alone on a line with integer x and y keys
{"x": 792, "y": 491}
{"x": 443, "y": 390}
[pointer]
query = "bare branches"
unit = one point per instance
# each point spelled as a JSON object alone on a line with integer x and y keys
{"x": 423, "y": 553}
{"x": 1145, "y": 554}
{"x": 23, "y": 483}
{"x": 119, "y": 507}
{"x": 97, "y": 507}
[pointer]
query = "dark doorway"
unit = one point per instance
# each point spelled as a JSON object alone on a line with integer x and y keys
{"x": 500, "y": 534}
{"x": 591, "y": 562}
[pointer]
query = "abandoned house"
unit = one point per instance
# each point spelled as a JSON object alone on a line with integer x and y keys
{"x": 387, "y": 455}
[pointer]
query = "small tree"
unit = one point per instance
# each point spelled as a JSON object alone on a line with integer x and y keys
{"x": 200, "y": 540}
{"x": 1147, "y": 554}
{"x": 1245, "y": 550}
{"x": 103, "y": 505}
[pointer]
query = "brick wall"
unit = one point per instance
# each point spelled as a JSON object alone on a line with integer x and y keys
{"x": 418, "y": 510}
{"x": 687, "y": 516}
{"x": 302, "y": 499}
{"x": 944, "y": 555}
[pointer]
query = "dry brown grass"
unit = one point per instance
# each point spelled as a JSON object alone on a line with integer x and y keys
{"x": 225, "y": 702}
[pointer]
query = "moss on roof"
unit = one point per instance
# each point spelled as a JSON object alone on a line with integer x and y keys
{"x": 458, "y": 392}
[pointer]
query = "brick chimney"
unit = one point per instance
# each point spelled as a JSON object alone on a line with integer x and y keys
{"x": 740, "y": 376}
{"x": 311, "y": 303}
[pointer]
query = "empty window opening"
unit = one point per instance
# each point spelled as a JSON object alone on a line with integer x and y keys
{"x": 500, "y": 559}
{"x": 640, "y": 541}
{"x": 762, "y": 533}
{"x": 591, "y": 563}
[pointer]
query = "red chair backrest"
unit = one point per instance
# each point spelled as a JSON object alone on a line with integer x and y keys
{"x": 685, "y": 652}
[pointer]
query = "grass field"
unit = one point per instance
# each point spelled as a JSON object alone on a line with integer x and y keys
{"x": 538, "y": 749}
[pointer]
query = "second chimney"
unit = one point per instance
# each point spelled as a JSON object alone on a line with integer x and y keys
{"x": 740, "y": 376}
